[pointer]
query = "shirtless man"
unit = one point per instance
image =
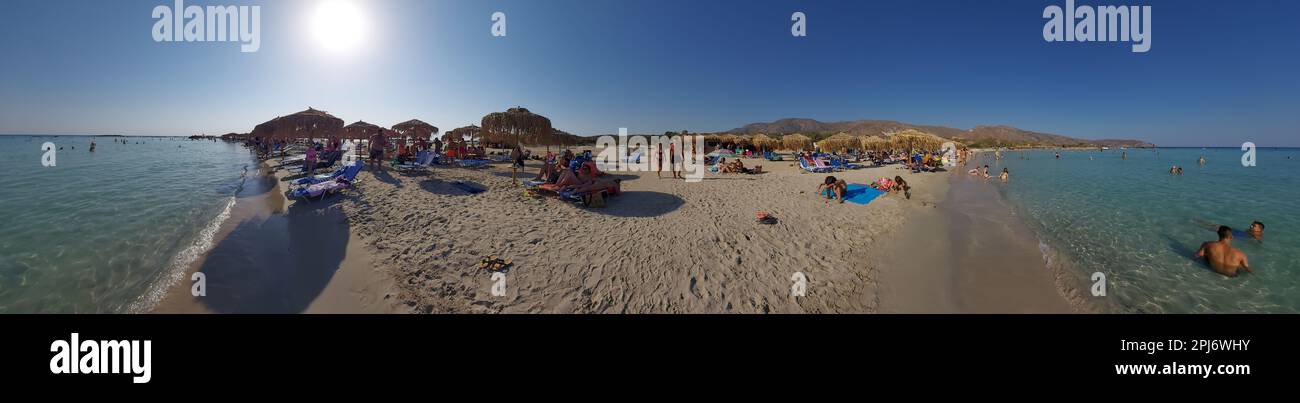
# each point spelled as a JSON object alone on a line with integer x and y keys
{"x": 1221, "y": 256}
{"x": 377, "y": 145}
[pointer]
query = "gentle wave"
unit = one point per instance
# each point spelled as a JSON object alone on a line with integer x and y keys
{"x": 181, "y": 262}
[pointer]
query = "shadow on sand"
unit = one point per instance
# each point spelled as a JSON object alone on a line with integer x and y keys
{"x": 276, "y": 265}
{"x": 640, "y": 204}
{"x": 452, "y": 188}
{"x": 384, "y": 175}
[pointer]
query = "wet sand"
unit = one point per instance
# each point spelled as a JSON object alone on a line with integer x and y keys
{"x": 970, "y": 254}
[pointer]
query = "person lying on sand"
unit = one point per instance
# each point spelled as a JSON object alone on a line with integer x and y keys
{"x": 832, "y": 188}
{"x": 1222, "y": 256}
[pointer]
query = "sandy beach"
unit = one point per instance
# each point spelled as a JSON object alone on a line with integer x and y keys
{"x": 411, "y": 241}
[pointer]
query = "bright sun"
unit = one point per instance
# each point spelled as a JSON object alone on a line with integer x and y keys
{"x": 338, "y": 26}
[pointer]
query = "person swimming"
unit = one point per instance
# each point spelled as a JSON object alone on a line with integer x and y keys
{"x": 1005, "y": 175}
{"x": 1201, "y": 161}
{"x": 1222, "y": 256}
{"x": 1254, "y": 232}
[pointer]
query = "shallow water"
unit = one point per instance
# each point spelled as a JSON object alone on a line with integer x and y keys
{"x": 1132, "y": 221}
{"x": 107, "y": 231}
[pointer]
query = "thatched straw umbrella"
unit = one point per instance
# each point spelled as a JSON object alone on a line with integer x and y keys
{"x": 516, "y": 125}
{"x": 873, "y": 143}
{"x": 762, "y": 141}
{"x": 839, "y": 142}
{"x": 459, "y": 134}
{"x": 415, "y": 128}
{"x": 796, "y": 142}
{"x": 912, "y": 140}
{"x": 307, "y": 124}
{"x": 360, "y": 130}
{"x": 520, "y": 125}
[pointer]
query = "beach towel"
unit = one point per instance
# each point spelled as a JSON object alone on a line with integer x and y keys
{"x": 860, "y": 194}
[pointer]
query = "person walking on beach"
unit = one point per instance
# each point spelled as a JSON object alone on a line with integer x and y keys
{"x": 377, "y": 145}
{"x": 1222, "y": 256}
{"x": 672, "y": 159}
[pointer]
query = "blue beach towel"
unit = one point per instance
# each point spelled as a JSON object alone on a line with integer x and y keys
{"x": 860, "y": 194}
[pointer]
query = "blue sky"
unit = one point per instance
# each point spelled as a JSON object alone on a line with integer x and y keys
{"x": 1218, "y": 73}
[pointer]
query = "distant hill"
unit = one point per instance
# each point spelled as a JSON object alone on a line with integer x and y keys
{"x": 980, "y": 136}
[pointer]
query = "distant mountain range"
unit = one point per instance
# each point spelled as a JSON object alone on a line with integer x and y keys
{"x": 980, "y": 136}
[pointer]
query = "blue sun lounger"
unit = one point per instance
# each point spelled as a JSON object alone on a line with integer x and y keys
{"x": 348, "y": 172}
{"x": 814, "y": 169}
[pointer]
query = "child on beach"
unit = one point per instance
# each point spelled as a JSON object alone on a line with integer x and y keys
{"x": 832, "y": 188}
{"x": 309, "y": 163}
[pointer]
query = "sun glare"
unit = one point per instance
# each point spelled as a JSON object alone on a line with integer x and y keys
{"x": 338, "y": 26}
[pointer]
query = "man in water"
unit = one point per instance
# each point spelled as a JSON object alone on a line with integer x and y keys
{"x": 1254, "y": 232}
{"x": 1221, "y": 256}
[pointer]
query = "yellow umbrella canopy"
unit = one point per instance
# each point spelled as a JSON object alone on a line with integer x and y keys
{"x": 310, "y": 123}
{"x": 518, "y": 125}
{"x": 415, "y": 128}
{"x": 873, "y": 143}
{"x": 839, "y": 142}
{"x": 360, "y": 130}
{"x": 795, "y": 141}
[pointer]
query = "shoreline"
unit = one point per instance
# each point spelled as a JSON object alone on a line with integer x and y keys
{"x": 969, "y": 254}
{"x": 259, "y": 220}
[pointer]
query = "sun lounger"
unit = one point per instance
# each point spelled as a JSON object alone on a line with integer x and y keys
{"x": 475, "y": 163}
{"x": 423, "y": 159}
{"x": 348, "y": 172}
{"x": 568, "y": 194}
{"x": 320, "y": 190}
{"x": 803, "y": 163}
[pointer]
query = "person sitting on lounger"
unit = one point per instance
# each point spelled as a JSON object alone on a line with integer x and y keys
{"x": 832, "y": 188}
{"x": 588, "y": 181}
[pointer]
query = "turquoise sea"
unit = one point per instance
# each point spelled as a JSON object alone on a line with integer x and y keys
{"x": 1128, "y": 218}
{"x": 109, "y": 231}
